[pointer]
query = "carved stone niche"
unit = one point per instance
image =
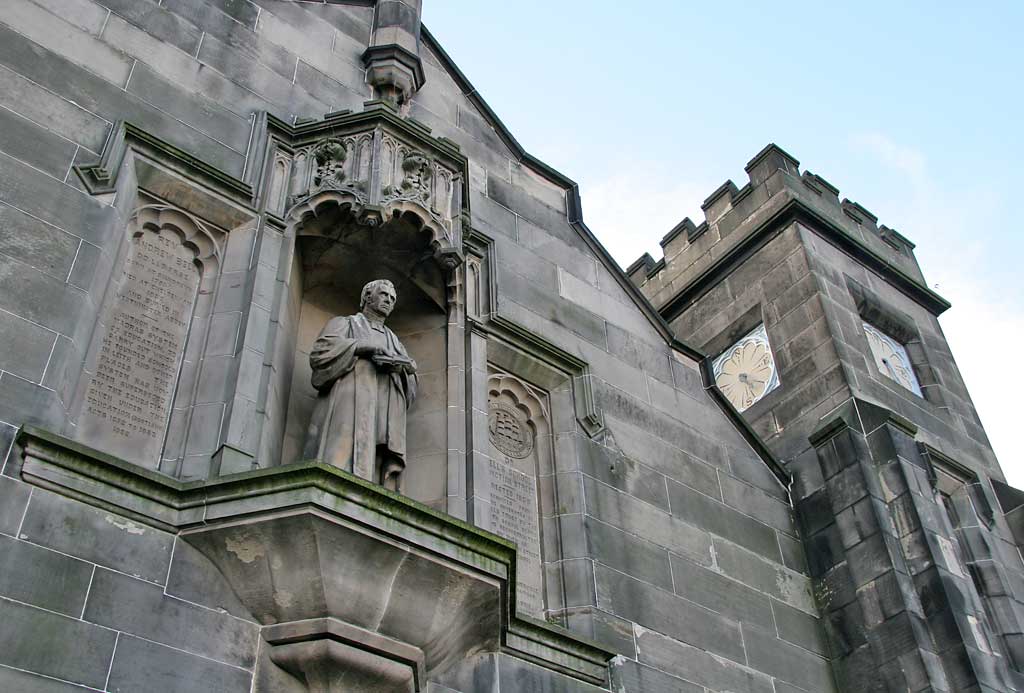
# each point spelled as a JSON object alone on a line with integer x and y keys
{"x": 360, "y": 197}
{"x": 379, "y": 166}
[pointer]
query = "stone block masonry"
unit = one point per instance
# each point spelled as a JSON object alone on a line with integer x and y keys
{"x": 660, "y": 547}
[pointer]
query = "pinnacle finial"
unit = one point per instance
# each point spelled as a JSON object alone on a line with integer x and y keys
{"x": 393, "y": 66}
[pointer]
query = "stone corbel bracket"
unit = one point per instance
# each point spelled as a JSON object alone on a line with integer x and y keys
{"x": 427, "y": 591}
{"x": 375, "y": 164}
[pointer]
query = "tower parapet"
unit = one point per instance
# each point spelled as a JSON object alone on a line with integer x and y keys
{"x": 776, "y": 190}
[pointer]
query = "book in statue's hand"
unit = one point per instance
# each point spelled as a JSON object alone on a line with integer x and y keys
{"x": 388, "y": 360}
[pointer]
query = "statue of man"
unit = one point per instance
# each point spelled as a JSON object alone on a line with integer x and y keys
{"x": 366, "y": 383}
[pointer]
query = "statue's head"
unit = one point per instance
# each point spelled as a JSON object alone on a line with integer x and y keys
{"x": 380, "y": 296}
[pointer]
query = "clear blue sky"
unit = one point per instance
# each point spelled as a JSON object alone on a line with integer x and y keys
{"x": 913, "y": 110}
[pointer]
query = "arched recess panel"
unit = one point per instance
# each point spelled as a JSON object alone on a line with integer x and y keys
{"x": 509, "y": 503}
{"x": 522, "y": 481}
{"x": 133, "y": 401}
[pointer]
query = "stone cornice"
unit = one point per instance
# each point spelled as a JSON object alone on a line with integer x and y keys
{"x": 796, "y": 210}
{"x": 101, "y": 177}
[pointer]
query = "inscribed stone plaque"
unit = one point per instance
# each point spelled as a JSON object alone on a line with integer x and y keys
{"x": 129, "y": 399}
{"x": 514, "y": 516}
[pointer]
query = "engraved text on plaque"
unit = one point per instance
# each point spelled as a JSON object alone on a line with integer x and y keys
{"x": 514, "y": 516}
{"x": 129, "y": 399}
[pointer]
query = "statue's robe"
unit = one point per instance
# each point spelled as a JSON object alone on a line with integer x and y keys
{"x": 359, "y": 408}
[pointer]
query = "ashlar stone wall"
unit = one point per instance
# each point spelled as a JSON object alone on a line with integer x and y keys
{"x": 675, "y": 544}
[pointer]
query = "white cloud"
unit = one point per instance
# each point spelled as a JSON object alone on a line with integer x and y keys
{"x": 961, "y": 262}
{"x": 907, "y": 160}
{"x": 632, "y": 210}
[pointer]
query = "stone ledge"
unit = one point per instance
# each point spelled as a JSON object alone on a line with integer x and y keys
{"x": 335, "y": 511}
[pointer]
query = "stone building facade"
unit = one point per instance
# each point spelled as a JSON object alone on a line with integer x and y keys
{"x": 190, "y": 189}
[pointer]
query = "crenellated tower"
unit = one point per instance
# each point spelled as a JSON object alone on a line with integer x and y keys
{"x": 821, "y": 330}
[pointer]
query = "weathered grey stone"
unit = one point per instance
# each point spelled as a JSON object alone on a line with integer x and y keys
{"x": 720, "y": 519}
{"x": 720, "y": 593}
{"x": 21, "y": 400}
{"x": 800, "y": 628}
{"x": 562, "y": 254}
{"x": 610, "y": 631}
{"x": 138, "y": 664}
{"x": 754, "y": 502}
{"x": 96, "y": 535}
{"x": 240, "y": 69}
{"x": 326, "y": 88}
{"x": 61, "y": 116}
{"x": 539, "y": 271}
{"x": 211, "y": 118}
{"x": 771, "y": 578}
{"x": 13, "y": 501}
{"x": 782, "y": 660}
{"x": 43, "y": 578}
{"x": 635, "y": 412}
{"x": 632, "y": 676}
{"x": 141, "y": 608}
{"x": 157, "y": 22}
{"x": 87, "y": 269}
{"x": 629, "y": 554}
{"x": 644, "y": 520}
{"x": 665, "y": 458}
{"x": 27, "y": 141}
{"x": 608, "y": 465}
{"x": 205, "y": 14}
{"x": 697, "y": 665}
{"x": 535, "y": 210}
{"x": 7, "y": 433}
{"x": 84, "y": 649}
{"x": 519, "y": 675}
{"x": 630, "y": 348}
{"x": 193, "y": 578}
{"x": 608, "y": 306}
{"x": 54, "y": 34}
{"x": 38, "y": 297}
{"x": 24, "y": 347}
{"x": 577, "y": 320}
{"x": 24, "y": 682}
{"x": 667, "y": 613}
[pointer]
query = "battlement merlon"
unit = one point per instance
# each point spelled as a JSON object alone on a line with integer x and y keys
{"x": 777, "y": 192}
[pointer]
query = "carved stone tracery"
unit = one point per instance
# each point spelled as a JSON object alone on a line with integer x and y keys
{"x": 379, "y": 175}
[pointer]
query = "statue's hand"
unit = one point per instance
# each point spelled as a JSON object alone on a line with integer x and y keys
{"x": 368, "y": 351}
{"x": 410, "y": 367}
